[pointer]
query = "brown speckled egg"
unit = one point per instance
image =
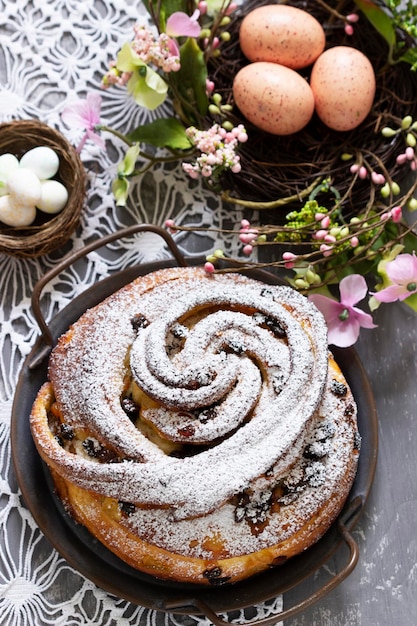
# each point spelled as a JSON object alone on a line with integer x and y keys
{"x": 343, "y": 84}
{"x": 273, "y": 97}
{"x": 281, "y": 34}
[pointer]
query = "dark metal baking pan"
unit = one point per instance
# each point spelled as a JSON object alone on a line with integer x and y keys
{"x": 92, "y": 560}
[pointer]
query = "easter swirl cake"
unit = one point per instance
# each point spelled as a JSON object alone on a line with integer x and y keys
{"x": 198, "y": 426}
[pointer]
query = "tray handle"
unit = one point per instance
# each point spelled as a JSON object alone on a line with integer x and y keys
{"x": 344, "y": 524}
{"x": 78, "y": 254}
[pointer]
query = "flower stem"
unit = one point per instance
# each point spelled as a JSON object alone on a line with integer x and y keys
{"x": 175, "y": 156}
{"x": 273, "y": 204}
{"x": 116, "y": 133}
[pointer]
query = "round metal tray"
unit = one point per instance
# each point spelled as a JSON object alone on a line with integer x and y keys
{"x": 99, "y": 565}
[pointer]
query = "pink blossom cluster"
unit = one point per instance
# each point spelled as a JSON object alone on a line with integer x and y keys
{"x": 247, "y": 235}
{"x": 218, "y": 150}
{"x": 329, "y": 236}
{"x": 161, "y": 51}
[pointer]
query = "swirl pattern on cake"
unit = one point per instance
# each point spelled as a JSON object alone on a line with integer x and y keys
{"x": 193, "y": 413}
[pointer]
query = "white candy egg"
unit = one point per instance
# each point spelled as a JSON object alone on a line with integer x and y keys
{"x": 8, "y": 163}
{"x": 24, "y": 187}
{"x": 43, "y": 161}
{"x": 15, "y": 215}
{"x": 54, "y": 196}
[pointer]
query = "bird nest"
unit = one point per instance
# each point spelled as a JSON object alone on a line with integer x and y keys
{"x": 47, "y": 233}
{"x": 284, "y": 167}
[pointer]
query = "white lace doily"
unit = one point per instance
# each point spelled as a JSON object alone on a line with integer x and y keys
{"x": 51, "y": 53}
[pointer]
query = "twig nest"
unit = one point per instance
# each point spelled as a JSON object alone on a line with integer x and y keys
{"x": 42, "y": 188}
{"x": 283, "y": 167}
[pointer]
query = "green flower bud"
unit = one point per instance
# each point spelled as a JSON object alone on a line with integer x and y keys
{"x": 310, "y": 276}
{"x": 406, "y": 122}
{"x": 395, "y": 188}
{"x": 218, "y": 254}
{"x": 225, "y": 21}
{"x": 335, "y": 231}
{"x": 388, "y": 132}
{"x": 217, "y": 98}
{"x": 411, "y": 140}
{"x": 385, "y": 190}
{"x": 227, "y": 125}
{"x": 300, "y": 283}
{"x": 355, "y": 220}
{"x": 213, "y": 109}
{"x": 225, "y": 36}
{"x": 344, "y": 232}
{"x": 412, "y": 204}
{"x": 346, "y": 156}
{"x": 370, "y": 254}
{"x": 226, "y": 107}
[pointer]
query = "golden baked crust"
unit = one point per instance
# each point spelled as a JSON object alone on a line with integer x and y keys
{"x": 198, "y": 425}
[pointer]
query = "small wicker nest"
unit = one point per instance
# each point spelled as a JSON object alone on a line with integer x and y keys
{"x": 276, "y": 167}
{"x": 47, "y": 233}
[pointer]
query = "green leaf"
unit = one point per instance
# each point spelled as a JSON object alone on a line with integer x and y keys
{"x": 410, "y": 56}
{"x": 149, "y": 90}
{"x": 162, "y": 133}
{"x": 190, "y": 80}
{"x": 379, "y": 20}
{"x": 120, "y": 188}
{"x": 410, "y": 242}
{"x": 412, "y": 301}
{"x": 128, "y": 60}
{"x": 127, "y": 166}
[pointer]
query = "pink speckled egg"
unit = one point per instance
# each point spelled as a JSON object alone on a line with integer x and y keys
{"x": 281, "y": 34}
{"x": 273, "y": 97}
{"x": 343, "y": 84}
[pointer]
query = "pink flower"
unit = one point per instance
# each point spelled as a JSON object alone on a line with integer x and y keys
{"x": 402, "y": 272}
{"x": 352, "y": 18}
{"x": 85, "y": 114}
{"x": 289, "y": 259}
{"x": 179, "y": 24}
{"x": 248, "y": 237}
{"x": 343, "y": 319}
{"x": 396, "y": 214}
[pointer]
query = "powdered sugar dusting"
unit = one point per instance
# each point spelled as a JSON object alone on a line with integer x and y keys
{"x": 256, "y": 358}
